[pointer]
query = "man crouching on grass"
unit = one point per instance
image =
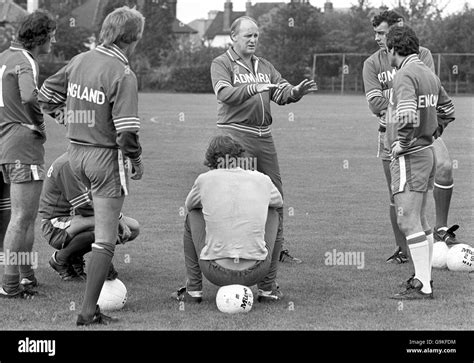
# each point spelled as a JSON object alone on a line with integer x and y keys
{"x": 231, "y": 226}
{"x": 68, "y": 222}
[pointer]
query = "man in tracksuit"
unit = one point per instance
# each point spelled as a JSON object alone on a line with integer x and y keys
{"x": 418, "y": 107}
{"x": 378, "y": 77}
{"x": 244, "y": 85}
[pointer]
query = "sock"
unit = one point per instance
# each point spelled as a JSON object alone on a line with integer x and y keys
{"x": 5, "y": 214}
{"x": 11, "y": 283}
{"x": 430, "y": 238}
{"x": 400, "y": 238}
{"x": 419, "y": 251}
{"x": 442, "y": 196}
{"x": 26, "y": 271}
{"x": 81, "y": 241}
{"x": 98, "y": 267}
{"x": 441, "y": 229}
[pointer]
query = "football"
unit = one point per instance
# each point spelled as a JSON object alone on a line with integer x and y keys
{"x": 234, "y": 299}
{"x": 113, "y": 295}
{"x": 461, "y": 258}
{"x": 440, "y": 255}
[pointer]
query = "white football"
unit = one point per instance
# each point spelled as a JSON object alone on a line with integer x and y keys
{"x": 234, "y": 299}
{"x": 440, "y": 255}
{"x": 461, "y": 258}
{"x": 113, "y": 295}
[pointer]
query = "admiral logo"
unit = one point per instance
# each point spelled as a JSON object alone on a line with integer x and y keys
{"x": 250, "y": 78}
{"x": 386, "y": 76}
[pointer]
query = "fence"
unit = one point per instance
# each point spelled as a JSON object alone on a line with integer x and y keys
{"x": 342, "y": 72}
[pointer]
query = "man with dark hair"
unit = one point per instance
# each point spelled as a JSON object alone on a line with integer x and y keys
{"x": 244, "y": 85}
{"x": 68, "y": 221}
{"x": 22, "y": 134}
{"x": 101, "y": 83}
{"x": 231, "y": 226}
{"x": 378, "y": 77}
{"x": 419, "y": 106}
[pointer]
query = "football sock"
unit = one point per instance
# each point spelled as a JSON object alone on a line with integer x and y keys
{"x": 429, "y": 237}
{"x": 400, "y": 238}
{"x": 26, "y": 271}
{"x": 420, "y": 252}
{"x": 97, "y": 271}
{"x": 81, "y": 241}
{"x": 5, "y": 214}
{"x": 442, "y": 196}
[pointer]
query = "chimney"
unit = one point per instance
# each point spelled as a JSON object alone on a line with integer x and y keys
{"x": 248, "y": 8}
{"x": 328, "y": 8}
{"x": 227, "y": 15}
{"x": 173, "y": 4}
{"x": 32, "y": 5}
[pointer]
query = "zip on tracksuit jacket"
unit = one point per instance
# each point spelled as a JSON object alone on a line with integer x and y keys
{"x": 235, "y": 85}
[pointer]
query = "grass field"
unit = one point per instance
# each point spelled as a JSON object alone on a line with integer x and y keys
{"x": 335, "y": 198}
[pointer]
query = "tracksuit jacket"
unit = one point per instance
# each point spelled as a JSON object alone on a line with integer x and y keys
{"x": 240, "y": 107}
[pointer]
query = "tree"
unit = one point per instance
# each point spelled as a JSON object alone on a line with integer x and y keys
{"x": 289, "y": 36}
{"x": 158, "y": 37}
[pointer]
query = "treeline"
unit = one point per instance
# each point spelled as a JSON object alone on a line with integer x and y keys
{"x": 290, "y": 35}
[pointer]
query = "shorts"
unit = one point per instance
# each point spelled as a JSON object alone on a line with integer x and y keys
{"x": 383, "y": 152}
{"x": 54, "y": 231}
{"x": 102, "y": 170}
{"x": 417, "y": 170}
{"x": 22, "y": 173}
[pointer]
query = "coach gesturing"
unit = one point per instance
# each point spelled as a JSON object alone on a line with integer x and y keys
{"x": 101, "y": 83}
{"x": 244, "y": 85}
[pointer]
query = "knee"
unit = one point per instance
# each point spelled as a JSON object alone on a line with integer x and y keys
{"x": 444, "y": 170}
{"x": 406, "y": 224}
{"x": 22, "y": 218}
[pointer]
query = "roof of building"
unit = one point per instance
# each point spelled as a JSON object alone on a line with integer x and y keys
{"x": 217, "y": 26}
{"x": 179, "y": 27}
{"x": 11, "y": 12}
{"x": 257, "y": 10}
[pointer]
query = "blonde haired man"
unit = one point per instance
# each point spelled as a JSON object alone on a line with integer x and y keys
{"x": 101, "y": 83}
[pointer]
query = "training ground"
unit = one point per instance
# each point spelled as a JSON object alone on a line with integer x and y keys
{"x": 336, "y": 198}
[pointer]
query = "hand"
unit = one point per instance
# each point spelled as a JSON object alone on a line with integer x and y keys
{"x": 124, "y": 231}
{"x": 137, "y": 171}
{"x": 265, "y": 87}
{"x": 306, "y": 86}
{"x": 396, "y": 149}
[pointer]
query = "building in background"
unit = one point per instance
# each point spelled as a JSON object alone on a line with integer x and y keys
{"x": 217, "y": 33}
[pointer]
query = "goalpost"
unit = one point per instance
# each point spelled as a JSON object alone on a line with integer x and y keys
{"x": 342, "y": 72}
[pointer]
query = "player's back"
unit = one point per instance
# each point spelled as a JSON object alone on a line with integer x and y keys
{"x": 59, "y": 186}
{"x": 235, "y": 205}
{"x": 16, "y": 61}
{"x": 428, "y": 89}
{"x": 94, "y": 85}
